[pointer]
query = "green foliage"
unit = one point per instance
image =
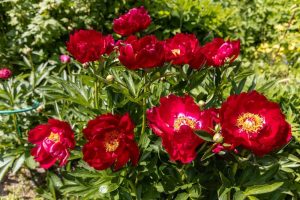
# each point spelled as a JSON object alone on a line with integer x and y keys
{"x": 33, "y": 34}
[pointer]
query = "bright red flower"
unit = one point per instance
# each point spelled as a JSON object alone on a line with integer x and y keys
{"x": 136, "y": 19}
{"x": 5, "y": 73}
{"x": 89, "y": 45}
{"x": 180, "y": 49}
{"x": 110, "y": 142}
{"x": 53, "y": 141}
{"x": 146, "y": 52}
{"x": 175, "y": 120}
{"x": 251, "y": 121}
{"x": 218, "y": 51}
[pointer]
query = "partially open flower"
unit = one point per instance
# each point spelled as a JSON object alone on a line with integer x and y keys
{"x": 110, "y": 142}
{"x": 136, "y": 19}
{"x": 251, "y": 121}
{"x": 175, "y": 121}
{"x": 52, "y": 142}
{"x": 89, "y": 45}
{"x": 219, "y": 51}
{"x": 5, "y": 73}
{"x": 180, "y": 49}
{"x": 146, "y": 52}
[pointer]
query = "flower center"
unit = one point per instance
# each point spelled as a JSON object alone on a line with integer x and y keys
{"x": 111, "y": 141}
{"x": 54, "y": 137}
{"x": 184, "y": 120}
{"x": 176, "y": 52}
{"x": 250, "y": 123}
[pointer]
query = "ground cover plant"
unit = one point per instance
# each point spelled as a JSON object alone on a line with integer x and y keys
{"x": 130, "y": 110}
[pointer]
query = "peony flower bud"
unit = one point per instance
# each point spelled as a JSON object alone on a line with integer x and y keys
{"x": 110, "y": 78}
{"x": 64, "y": 58}
{"x": 5, "y": 73}
{"x": 218, "y": 138}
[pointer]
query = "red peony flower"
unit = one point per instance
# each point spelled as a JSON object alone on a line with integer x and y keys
{"x": 251, "y": 121}
{"x": 110, "y": 142}
{"x": 134, "y": 20}
{"x": 218, "y": 51}
{"x": 146, "y": 52}
{"x": 181, "y": 49}
{"x": 89, "y": 45}
{"x": 5, "y": 73}
{"x": 175, "y": 120}
{"x": 198, "y": 59}
{"x": 52, "y": 142}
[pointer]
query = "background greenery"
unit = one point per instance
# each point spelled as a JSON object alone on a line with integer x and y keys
{"x": 33, "y": 35}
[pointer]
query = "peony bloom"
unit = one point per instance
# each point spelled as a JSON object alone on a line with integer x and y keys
{"x": 218, "y": 51}
{"x": 89, "y": 45}
{"x": 53, "y": 141}
{"x": 64, "y": 59}
{"x": 175, "y": 121}
{"x": 198, "y": 58}
{"x": 251, "y": 121}
{"x": 134, "y": 20}
{"x": 110, "y": 142}
{"x": 180, "y": 49}
{"x": 146, "y": 52}
{"x": 5, "y": 73}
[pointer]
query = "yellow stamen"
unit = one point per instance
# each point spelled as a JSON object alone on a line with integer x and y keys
{"x": 183, "y": 120}
{"x": 111, "y": 141}
{"x": 54, "y": 137}
{"x": 176, "y": 52}
{"x": 250, "y": 123}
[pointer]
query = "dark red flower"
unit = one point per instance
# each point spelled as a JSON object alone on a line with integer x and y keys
{"x": 146, "y": 52}
{"x": 251, "y": 121}
{"x": 53, "y": 141}
{"x": 136, "y": 19}
{"x": 175, "y": 120}
{"x": 89, "y": 45}
{"x": 5, "y": 73}
{"x": 110, "y": 142}
{"x": 180, "y": 49}
{"x": 218, "y": 51}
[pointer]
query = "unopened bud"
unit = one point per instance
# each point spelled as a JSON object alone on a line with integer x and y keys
{"x": 110, "y": 78}
{"x": 85, "y": 65}
{"x": 40, "y": 108}
{"x": 26, "y": 50}
{"x": 201, "y": 103}
{"x": 5, "y": 73}
{"x": 218, "y": 138}
{"x": 64, "y": 59}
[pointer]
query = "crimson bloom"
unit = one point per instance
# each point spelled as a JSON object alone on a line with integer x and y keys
{"x": 89, "y": 45}
{"x": 136, "y": 19}
{"x": 251, "y": 121}
{"x": 180, "y": 49}
{"x": 5, "y": 73}
{"x": 218, "y": 51}
{"x": 53, "y": 141}
{"x": 110, "y": 142}
{"x": 146, "y": 52}
{"x": 175, "y": 121}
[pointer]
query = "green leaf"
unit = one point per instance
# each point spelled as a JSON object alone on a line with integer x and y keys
{"x": 261, "y": 189}
{"x": 208, "y": 153}
{"x": 182, "y": 196}
{"x": 18, "y": 163}
{"x": 204, "y": 135}
{"x": 239, "y": 195}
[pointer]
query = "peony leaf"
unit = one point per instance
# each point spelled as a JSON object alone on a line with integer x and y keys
{"x": 261, "y": 189}
{"x": 204, "y": 135}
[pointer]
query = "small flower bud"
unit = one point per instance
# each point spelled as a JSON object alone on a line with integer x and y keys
{"x": 85, "y": 65}
{"x": 5, "y": 73}
{"x": 40, "y": 108}
{"x": 218, "y": 138}
{"x": 26, "y": 50}
{"x": 110, "y": 78}
{"x": 201, "y": 103}
{"x": 64, "y": 58}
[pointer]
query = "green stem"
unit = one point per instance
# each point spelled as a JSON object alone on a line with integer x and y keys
{"x": 133, "y": 188}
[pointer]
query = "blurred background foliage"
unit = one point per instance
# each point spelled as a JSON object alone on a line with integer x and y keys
{"x": 33, "y": 35}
